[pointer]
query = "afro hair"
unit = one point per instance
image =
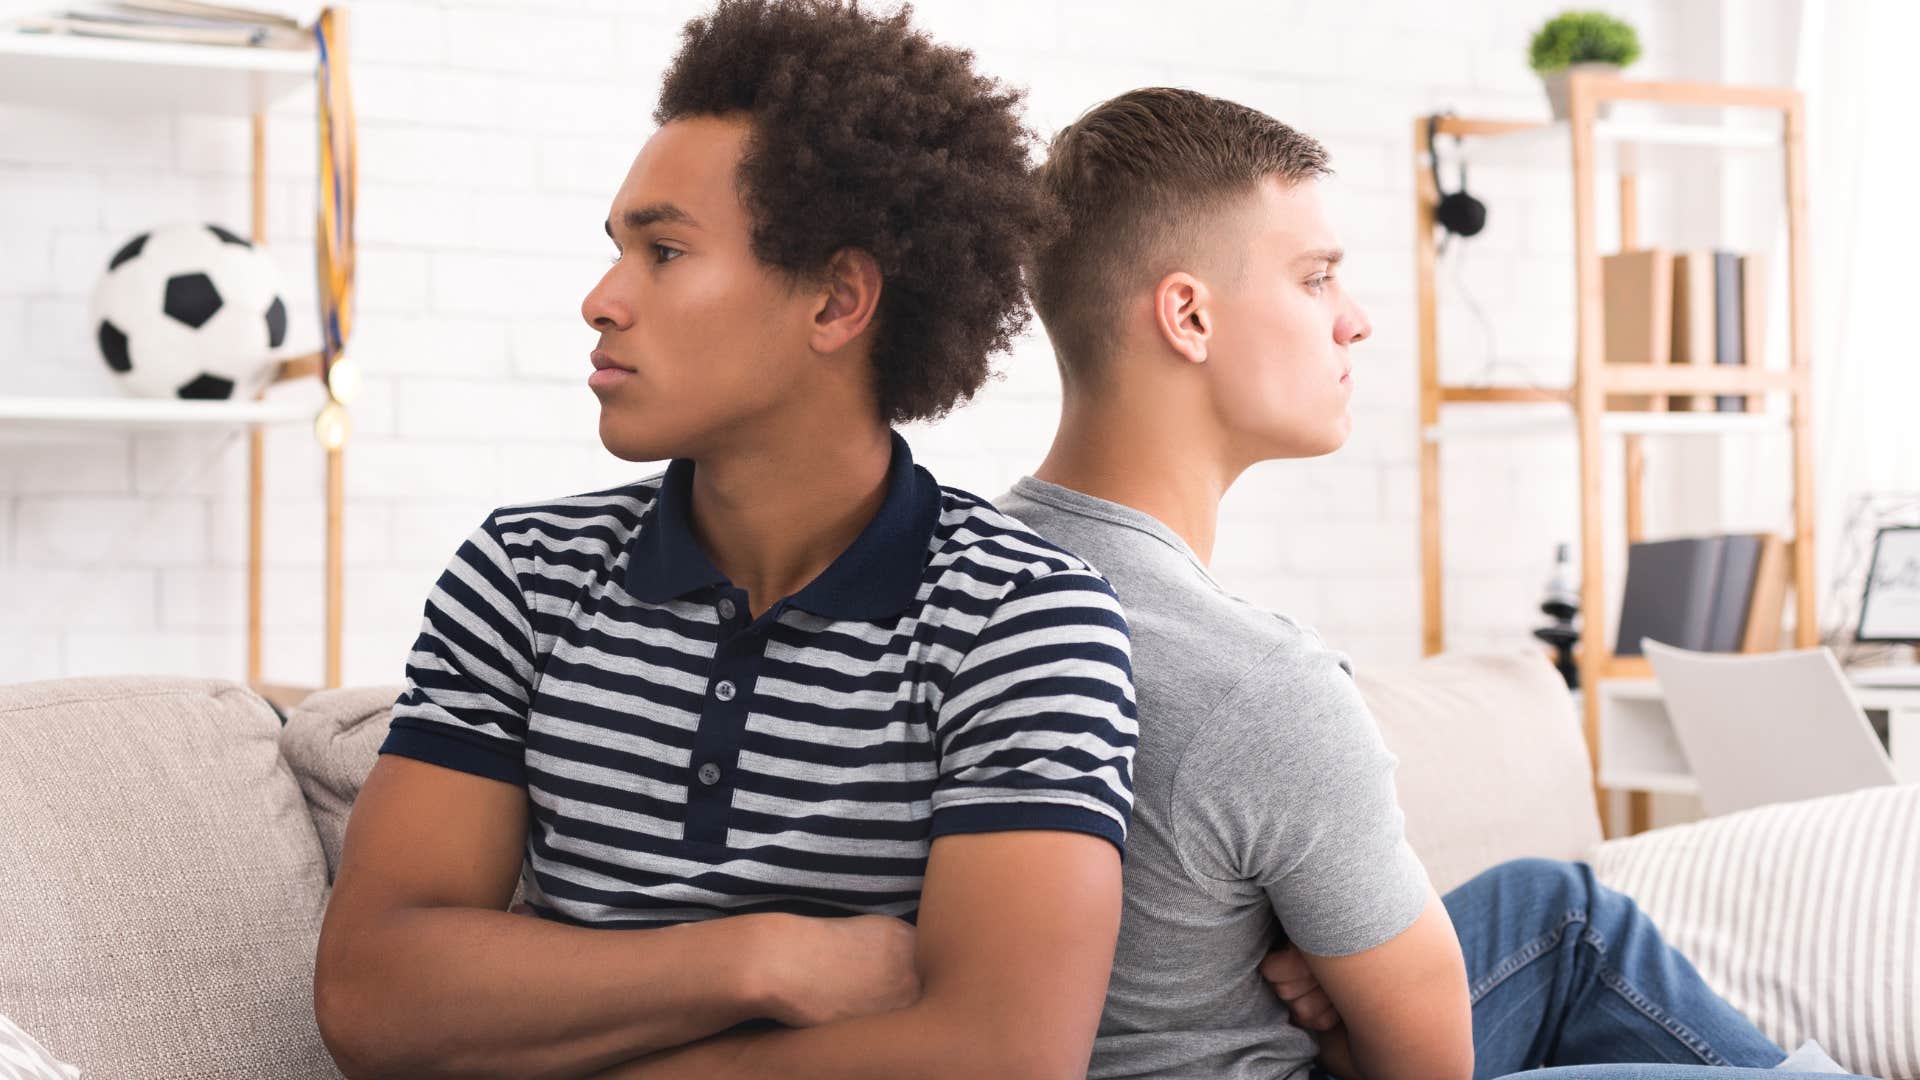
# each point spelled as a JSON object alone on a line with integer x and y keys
{"x": 868, "y": 135}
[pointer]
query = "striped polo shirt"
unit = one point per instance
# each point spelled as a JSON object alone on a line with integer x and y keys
{"x": 950, "y": 672}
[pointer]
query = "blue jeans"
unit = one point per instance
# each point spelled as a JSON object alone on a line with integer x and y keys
{"x": 1572, "y": 977}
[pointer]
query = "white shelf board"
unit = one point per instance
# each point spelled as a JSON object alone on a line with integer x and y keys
{"x": 66, "y": 71}
{"x": 1464, "y": 419}
{"x": 1632, "y": 689}
{"x": 1661, "y": 783}
{"x": 40, "y": 417}
{"x": 1539, "y": 144}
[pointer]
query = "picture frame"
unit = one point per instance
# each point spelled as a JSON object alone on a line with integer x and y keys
{"x": 1890, "y": 604}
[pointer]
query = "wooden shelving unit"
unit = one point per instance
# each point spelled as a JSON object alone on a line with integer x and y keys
{"x": 57, "y": 71}
{"x": 1583, "y": 404}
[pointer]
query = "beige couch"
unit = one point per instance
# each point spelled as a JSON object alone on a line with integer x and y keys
{"x": 166, "y": 846}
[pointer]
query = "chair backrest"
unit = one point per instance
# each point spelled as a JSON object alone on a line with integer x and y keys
{"x": 1767, "y": 727}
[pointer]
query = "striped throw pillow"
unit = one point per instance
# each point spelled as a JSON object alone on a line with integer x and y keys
{"x": 1804, "y": 915}
{"x": 22, "y": 1058}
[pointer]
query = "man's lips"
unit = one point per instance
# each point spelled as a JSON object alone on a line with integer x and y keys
{"x": 607, "y": 371}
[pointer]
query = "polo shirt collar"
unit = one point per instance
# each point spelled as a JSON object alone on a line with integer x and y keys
{"x": 877, "y": 576}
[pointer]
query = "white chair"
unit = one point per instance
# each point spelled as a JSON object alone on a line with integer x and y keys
{"x": 1767, "y": 727}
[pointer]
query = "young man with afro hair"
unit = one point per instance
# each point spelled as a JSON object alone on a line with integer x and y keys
{"x": 808, "y": 765}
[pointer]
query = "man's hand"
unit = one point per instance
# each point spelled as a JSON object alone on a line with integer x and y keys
{"x": 1307, "y": 1005}
{"x": 836, "y": 969}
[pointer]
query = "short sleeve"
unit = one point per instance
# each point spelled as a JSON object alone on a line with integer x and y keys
{"x": 1290, "y": 793}
{"x": 470, "y": 674}
{"x": 1036, "y": 729}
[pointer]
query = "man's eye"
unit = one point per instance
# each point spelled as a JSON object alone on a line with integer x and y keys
{"x": 1318, "y": 281}
{"x": 664, "y": 254}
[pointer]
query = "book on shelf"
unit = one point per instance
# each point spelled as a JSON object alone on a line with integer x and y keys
{"x": 1727, "y": 337}
{"x": 1739, "y": 300}
{"x": 1708, "y": 594}
{"x": 1689, "y": 307}
{"x": 1733, "y": 592}
{"x": 176, "y": 22}
{"x": 1693, "y": 328}
{"x": 1637, "y": 303}
{"x": 291, "y": 16}
{"x": 1753, "y": 317}
{"x": 1769, "y": 607}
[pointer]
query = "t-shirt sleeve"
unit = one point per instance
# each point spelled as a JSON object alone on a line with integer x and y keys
{"x": 1290, "y": 792}
{"x": 470, "y": 674}
{"x": 1036, "y": 729}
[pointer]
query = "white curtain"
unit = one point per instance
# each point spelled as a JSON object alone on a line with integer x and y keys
{"x": 1864, "y": 168}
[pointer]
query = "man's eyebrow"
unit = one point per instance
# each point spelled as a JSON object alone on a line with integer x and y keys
{"x": 1330, "y": 256}
{"x": 643, "y": 216}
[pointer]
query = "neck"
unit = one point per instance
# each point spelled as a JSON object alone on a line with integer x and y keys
{"x": 1123, "y": 449}
{"x": 773, "y": 512}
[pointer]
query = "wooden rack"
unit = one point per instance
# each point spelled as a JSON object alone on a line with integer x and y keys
{"x": 1593, "y": 380}
{"x": 66, "y": 71}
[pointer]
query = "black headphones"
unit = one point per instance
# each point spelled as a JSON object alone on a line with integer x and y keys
{"x": 1459, "y": 213}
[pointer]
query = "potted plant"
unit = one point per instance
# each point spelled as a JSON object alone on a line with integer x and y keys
{"x": 1580, "y": 41}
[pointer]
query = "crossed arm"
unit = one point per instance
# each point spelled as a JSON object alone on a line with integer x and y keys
{"x": 1399, "y": 1009}
{"x": 421, "y": 972}
{"x": 1016, "y": 939}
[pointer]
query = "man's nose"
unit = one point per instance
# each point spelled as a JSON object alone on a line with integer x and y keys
{"x": 603, "y": 310}
{"x": 1355, "y": 326}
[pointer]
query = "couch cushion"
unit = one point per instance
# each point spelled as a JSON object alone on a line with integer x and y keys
{"x": 331, "y": 741}
{"x": 161, "y": 884}
{"x": 1804, "y": 915}
{"x": 1451, "y": 719}
{"x": 1493, "y": 765}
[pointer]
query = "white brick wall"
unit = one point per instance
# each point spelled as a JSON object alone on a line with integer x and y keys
{"x": 492, "y": 136}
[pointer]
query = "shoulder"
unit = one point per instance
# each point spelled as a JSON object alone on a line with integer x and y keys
{"x": 989, "y": 555}
{"x": 1295, "y": 709}
{"x": 598, "y": 522}
{"x": 619, "y": 507}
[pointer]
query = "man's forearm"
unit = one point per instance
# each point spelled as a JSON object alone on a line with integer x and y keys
{"x": 924, "y": 1040}
{"x": 1336, "y": 1054}
{"x": 470, "y": 992}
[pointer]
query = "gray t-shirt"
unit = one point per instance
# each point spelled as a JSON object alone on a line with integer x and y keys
{"x": 1263, "y": 798}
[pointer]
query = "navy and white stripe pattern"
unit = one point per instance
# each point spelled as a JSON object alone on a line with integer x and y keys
{"x": 951, "y": 672}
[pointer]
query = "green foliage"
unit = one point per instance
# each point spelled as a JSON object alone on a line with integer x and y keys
{"x": 1575, "y": 37}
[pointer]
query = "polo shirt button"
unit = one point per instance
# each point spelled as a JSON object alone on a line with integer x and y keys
{"x": 709, "y": 774}
{"x": 726, "y": 608}
{"x": 725, "y": 690}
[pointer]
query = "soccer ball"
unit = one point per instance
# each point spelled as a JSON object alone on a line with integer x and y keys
{"x": 189, "y": 311}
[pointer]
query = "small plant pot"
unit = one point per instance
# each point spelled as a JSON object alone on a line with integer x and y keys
{"x": 1556, "y": 84}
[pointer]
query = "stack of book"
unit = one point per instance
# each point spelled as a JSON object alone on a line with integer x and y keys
{"x": 1709, "y": 594}
{"x": 1690, "y": 307}
{"x": 184, "y": 21}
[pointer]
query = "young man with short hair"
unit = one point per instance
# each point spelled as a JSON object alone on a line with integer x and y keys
{"x": 1200, "y": 328}
{"x": 791, "y": 732}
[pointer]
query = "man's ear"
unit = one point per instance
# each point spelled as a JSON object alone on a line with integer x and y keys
{"x": 848, "y": 300}
{"x": 1183, "y": 313}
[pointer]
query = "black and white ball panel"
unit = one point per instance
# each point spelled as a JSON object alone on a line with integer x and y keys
{"x": 189, "y": 311}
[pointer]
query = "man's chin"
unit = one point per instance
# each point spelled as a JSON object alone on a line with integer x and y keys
{"x": 632, "y": 446}
{"x": 1295, "y": 443}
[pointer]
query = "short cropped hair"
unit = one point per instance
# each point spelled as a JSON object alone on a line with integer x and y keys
{"x": 868, "y": 135}
{"x": 1136, "y": 177}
